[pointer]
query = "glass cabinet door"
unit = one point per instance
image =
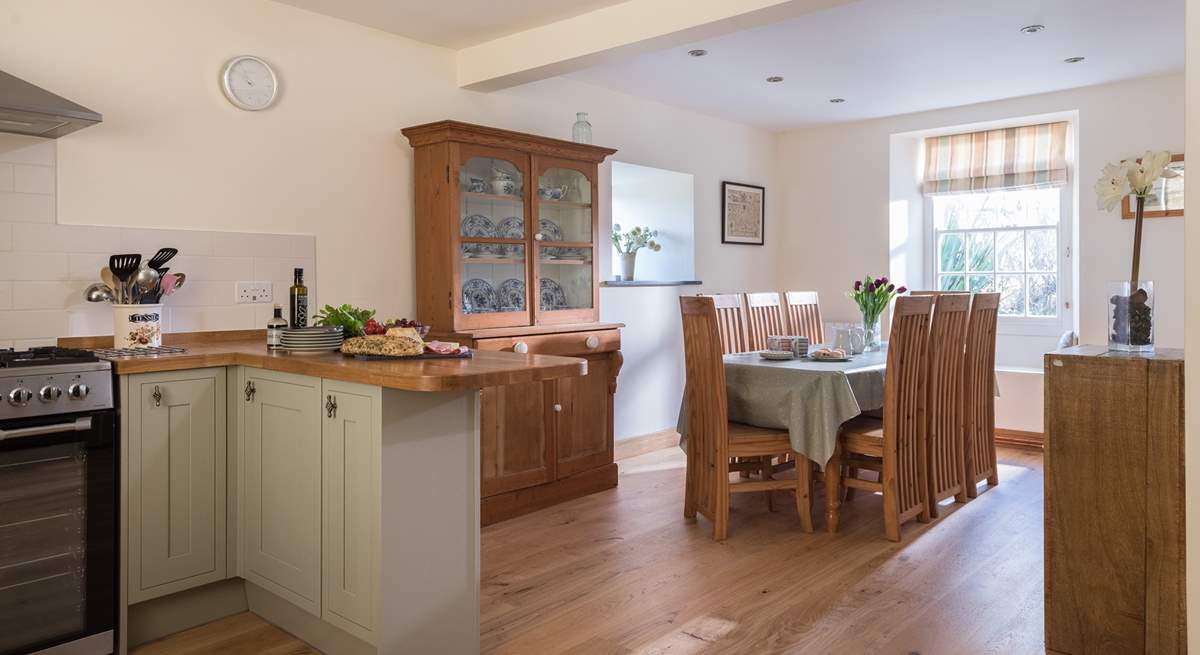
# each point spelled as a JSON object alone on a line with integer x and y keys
{"x": 493, "y": 238}
{"x": 564, "y": 241}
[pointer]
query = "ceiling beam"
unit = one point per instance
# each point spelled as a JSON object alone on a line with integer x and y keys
{"x": 615, "y": 32}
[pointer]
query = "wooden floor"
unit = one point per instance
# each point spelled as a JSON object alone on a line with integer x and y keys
{"x": 241, "y": 634}
{"x": 622, "y": 572}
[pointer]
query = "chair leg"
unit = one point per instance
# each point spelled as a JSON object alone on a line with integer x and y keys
{"x": 689, "y": 491}
{"x": 891, "y": 514}
{"x": 742, "y": 474}
{"x": 833, "y": 492}
{"x": 850, "y": 492}
{"x": 768, "y": 472}
{"x": 721, "y": 503}
{"x": 804, "y": 489}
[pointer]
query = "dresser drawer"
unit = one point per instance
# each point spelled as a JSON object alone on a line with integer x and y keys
{"x": 567, "y": 343}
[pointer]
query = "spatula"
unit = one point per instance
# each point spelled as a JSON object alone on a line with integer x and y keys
{"x": 123, "y": 267}
{"x": 161, "y": 257}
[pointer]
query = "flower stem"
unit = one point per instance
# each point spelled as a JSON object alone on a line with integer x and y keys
{"x": 1137, "y": 244}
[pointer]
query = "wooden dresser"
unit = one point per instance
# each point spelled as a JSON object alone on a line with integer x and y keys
{"x": 1114, "y": 502}
{"x": 506, "y": 238}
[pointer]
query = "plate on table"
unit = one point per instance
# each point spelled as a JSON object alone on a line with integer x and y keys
{"x": 816, "y": 356}
{"x": 553, "y": 296}
{"x": 512, "y": 295}
{"x": 478, "y": 297}
{"x": 777, "y": 355}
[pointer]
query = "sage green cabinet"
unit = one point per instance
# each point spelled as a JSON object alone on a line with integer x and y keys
{"x": 279, "y": 444}
{"x": 350, "y": 482}
{"x": 175, "y": 436}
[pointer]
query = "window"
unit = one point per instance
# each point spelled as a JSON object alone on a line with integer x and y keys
{"x": 1006, "y": 241}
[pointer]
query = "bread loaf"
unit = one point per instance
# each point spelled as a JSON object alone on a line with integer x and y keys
{"x": 389, "y": 346}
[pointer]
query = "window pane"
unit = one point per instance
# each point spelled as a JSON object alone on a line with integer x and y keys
{"x": 1043, "y": 295}
{"x": 1027, "y": 207}
{"x": 982, "y": 248}
{"x": 982, "y": 283}
{"x": 1010, "y": 251}
{"x": 952, "y": 283}
{"x": 1042, "y": 248}
{"x": 1012, "y": 294}
{"x": 953, "y": 253}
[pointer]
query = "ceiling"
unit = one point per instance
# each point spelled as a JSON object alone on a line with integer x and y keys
{"x": 455, "y": 23}
{"x": 889, "y": 57}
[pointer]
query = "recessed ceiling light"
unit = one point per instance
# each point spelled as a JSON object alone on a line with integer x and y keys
{"x": 1073, "y": 60}
{"x": 837, "y": 101}
{"x": 697, "y": 52}
{"x": 775, "y": 78}
{"x": 1032, "y": 29}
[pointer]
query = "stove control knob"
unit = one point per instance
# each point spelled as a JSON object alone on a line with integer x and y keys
{"x": 49, "y": 393}
{"x": 78, "y": 391}
{"x": 20, "y": 397}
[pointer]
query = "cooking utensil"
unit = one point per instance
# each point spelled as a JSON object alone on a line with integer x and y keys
{"x": 107, "y": 278}
{"x": 144, "y": 281}
{"x": 161, "y": 257}
{"x": 123, "y": 267}
{"x": 168, "y": 284}
{"x": 98, "y": 292}
{"x": 180, "y": 278}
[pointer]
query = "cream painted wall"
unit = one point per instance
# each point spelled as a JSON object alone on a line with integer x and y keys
{"x": 328, "y": 158}
{"x": 1192, "y": 340}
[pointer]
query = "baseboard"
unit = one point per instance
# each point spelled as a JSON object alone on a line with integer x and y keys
{"x": 160, "y": 617}
{"x": 646, "y": 443}
{"x": 502, "y": 507}
{"x": 1019, "y": 438}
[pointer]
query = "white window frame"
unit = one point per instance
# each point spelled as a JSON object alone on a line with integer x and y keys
{"x": 1025, "y": 325}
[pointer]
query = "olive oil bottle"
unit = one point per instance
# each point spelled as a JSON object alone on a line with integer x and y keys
{"x": 299, "y": 298}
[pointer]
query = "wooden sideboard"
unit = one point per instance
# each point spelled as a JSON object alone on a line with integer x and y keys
{"x": 1114, "y": 459}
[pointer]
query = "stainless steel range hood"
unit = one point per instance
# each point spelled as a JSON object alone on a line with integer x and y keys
{"x": 32, "y": 110}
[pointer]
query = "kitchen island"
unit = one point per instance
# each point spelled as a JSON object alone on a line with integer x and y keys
{"x": 335, "y": 497}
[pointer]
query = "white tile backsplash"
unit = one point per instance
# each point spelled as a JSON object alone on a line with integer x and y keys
{"x": 35, "y": 237}
{"x": 46, "y": 295}
{"x": 6, "y": 236}
{"x": 33, "y": 266}
{"x": 16, "y": 149}
{"x": 6, "y": 177}
{"x": 28, "y": 178}
{"x": 26, "y": 207}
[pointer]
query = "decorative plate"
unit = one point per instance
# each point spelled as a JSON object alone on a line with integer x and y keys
{"x": 818, "y": 358}
{"x": 777, "y": 355}
{"x": 477, "y": 225}
{"x": 512, "y": 227}
{"x": 550, "y": 231}
{"x": 553, "y": 296}
{"x": 512, "y": 295}
{"x": 478, "y": 297}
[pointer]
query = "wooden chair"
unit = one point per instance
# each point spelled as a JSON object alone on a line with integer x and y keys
{"x": 980, "y": 439}
{"x": 731, "y": 321}
{"x": 765, "y": 313}
{"x": 804, "y": 315}
{"x": 713, "y": 440}
{"x": 946, "y": 405}
{"x": 895, "y": 446}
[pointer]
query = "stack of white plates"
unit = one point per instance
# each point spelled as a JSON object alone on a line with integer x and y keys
{"x": 311, "y": 339}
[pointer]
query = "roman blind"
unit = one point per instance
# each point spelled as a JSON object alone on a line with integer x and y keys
{"x": 1030, "y": 156}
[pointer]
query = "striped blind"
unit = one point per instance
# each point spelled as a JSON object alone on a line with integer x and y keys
{"x": 994, "y": 160}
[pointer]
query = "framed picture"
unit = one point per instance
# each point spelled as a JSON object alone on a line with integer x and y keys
{"x": 743, "y": 207}
{"x": 1167, "y": 198}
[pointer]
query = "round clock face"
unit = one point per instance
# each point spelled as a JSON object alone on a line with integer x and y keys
{"x": 249, "y": 83}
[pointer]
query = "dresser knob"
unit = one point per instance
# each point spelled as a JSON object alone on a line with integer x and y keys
{"x": 557, "y": 407}
{"x": 592, "y": 342}
{"x": 521, "y": 347}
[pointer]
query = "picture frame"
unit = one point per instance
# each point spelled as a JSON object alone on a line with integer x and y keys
{"x": 743, "y": 213}
{"x": 1166, "y": 202}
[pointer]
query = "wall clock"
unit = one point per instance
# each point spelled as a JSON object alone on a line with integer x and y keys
{"x": 249, "y": 83}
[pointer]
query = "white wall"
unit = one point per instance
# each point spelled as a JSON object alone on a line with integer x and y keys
{"x": 328, "y": 159}
{"x": 841, "y": 191}
{"x": 664, "y": 201}
{"x": 1192, "y": 342}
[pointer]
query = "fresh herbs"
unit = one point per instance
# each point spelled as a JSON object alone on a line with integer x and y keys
{"x": 351, "y": 319}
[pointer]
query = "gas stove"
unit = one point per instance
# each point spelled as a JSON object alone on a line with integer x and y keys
{"x": 51, "y": 380}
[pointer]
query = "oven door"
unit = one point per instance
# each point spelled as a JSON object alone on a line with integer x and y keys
{"x": 58, "y": 534}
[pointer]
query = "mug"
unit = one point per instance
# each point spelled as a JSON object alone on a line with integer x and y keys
{"x": 850, "y": 338}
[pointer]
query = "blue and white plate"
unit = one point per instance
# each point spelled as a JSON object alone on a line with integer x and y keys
{"x": 512, "y": 295}
{"x": 553, "y": 296}
{"x": 550, "y": 231}
{"x": 512, "y": 227}
{"x": 478, "y": 225}
{"x": 478, "y": 297}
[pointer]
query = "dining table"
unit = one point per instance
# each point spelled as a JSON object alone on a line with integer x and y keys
{"x": 807, "y": 397}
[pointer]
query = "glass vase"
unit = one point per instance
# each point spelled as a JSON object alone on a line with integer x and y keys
{"x": 1131, "y": 317}
{"x": 582, "y": 131}
{"x": 872, "y": 333}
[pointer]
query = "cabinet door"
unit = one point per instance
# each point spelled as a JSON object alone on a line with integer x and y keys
{"x": 176, "y": 431}
{"x": 516, "y": 444}
{"x": 564, "y": 262}
{"x": 351, "y": 444}
{"x": 584, "y": 406}
{"x": 281, "y": 485}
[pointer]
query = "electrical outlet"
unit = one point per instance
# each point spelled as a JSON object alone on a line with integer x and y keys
{"x": 253, "y": 292}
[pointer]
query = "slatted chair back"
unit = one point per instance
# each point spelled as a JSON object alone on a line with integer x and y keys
{"x": 905, "y": 395}
{"x": 765, "y": 313}
{"x": 946, "y": 406}
{"x": 708, "y": 414}
{"x": 804, "y": 315}
{"x": 731, "y": 321}
{"x": 980, "y": 441}
{"x": 930, "y": 292}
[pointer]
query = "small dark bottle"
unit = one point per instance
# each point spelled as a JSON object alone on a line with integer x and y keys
{"x": 299, "y": 299}
{"x": 275, "y": 328}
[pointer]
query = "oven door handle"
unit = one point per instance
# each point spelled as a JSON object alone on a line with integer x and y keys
{"x": 78, "y": 425}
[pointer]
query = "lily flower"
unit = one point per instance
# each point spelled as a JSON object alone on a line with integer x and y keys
{"x": 1144, "y": 173}
{"x": 1112, "y": 186}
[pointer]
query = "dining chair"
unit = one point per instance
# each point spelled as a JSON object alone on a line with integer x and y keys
{"x": 731, "y": 321}
{"x": 804, "y": 315}
{"x": 713, "y": 440}
{"x": 893, "y": 447}
{"x": 946, "y": 405}
{"x": 765, "y": 313}
{"x": 980, "y": 440}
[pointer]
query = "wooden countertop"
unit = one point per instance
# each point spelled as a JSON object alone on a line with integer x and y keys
{"x": 485, "y": 369}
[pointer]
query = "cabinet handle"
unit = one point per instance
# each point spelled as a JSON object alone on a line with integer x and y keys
{"x": 330, "y": 406}
{"x": 557, "y": 407}
{"x": 592, "y": 342}
{"x": 539, "y": 237}
{"x": 250, "y": 390}
{"x": 521, "y": 347}
{"x": 157, "y": 396}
